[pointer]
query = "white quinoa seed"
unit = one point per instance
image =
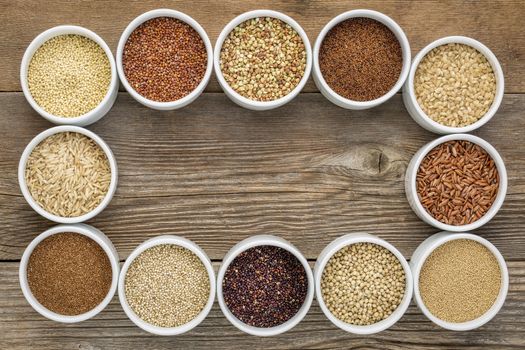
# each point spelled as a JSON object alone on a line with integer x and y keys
{"x": 167, "y": 285}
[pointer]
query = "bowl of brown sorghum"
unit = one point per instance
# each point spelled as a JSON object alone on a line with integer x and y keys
{"x": 167, "y": 285}
{"x": 455, "y": 85}
{"x": 460, "y": 280}
{"x": 361, "y": 59}
{"x": 363, "y": 284}
{"x": 264, "y": 286}
{"x": 67, "y": 174}
{"x": 262, "y": 59}
{"x": 69, "y": 273}
{"x": 68, "y": 75}
{"x": 164, "y": 59}
{"x": 456, "y": 183}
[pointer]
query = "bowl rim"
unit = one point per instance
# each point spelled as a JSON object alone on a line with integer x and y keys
{"x": 394, "y": 28}
{"x": 264, "y": 240}
{"x": 172, "y": 240}
{"x": 500, "y": 299}
{"x": 88, "y": 231}
{"x": 243, "y": 18}
{"x": 496, "y": 68}
{"x": 44, "y": 135}
{"x": 42, "y": 38}
{"x": 350, "y": 239}
{"x": 130, "y": 28}
{"x": 496, "y": 205}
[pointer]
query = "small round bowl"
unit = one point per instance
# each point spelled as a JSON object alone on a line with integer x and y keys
{"x": 181, "y": 242}
{"x": 234, "y": 95}
{"x": 411, "y": 190}
{"x": 263, "y": 240}
{"x": 85, "y": 230}
{"x": 420, "y": 117}
{"x": 333, "y": 96}
{"x": 426, "y": 248}
{"x": 29, "y": 198}
{"x": 186, "y": 100}
{"x": 333, "y": 248}
{"x": 107, "y": 102}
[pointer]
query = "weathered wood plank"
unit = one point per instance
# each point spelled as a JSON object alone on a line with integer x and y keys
{"x": 217, "y": 173}
{"x": 21, "y": 327}
{"x": 498, "y": 24}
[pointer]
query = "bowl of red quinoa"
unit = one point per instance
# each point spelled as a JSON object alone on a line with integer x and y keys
{"x": 69, "y": 273}
{"x": 455, "y": 85}
{"x": 361, "y": 59}
{"x": 262, "y": 59}
{"x": 68, "y": 75}
{"x": 264, "y": 285}
{"x": 456, "y": 183}
{"x": 164, "y": 59}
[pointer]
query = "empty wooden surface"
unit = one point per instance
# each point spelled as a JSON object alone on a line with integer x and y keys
{"x": 216, "y": 173}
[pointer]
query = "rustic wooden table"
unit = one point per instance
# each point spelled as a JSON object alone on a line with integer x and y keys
{"x": 216, "y": 173}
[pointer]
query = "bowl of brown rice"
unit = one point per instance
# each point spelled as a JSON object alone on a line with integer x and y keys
{"x": 67, "y": 174}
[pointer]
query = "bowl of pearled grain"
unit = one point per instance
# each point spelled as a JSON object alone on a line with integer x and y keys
{"x": 67, "y": 174}
{"x": 460, "y": 280}
{"x": 456, "y": 183}
{"x": 455, "y": 85}
{"x": 68, "y": 75}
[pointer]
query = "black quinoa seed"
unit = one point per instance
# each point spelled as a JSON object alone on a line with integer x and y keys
{"x": 265, "y": 286}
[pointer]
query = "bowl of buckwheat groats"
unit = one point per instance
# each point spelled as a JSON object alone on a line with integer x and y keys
{"x": 262, "y": 59}
{"x": 363, "y": 283}
{"x": 456, "y": 183}
{"x": 68, "y": 75}
{"x": 455, "y": 85}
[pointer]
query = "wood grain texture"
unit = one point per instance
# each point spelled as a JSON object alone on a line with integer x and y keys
{"x": 216, "y": 173}
{"x": 21, "y": 327}
{"x": 498, "y": 24}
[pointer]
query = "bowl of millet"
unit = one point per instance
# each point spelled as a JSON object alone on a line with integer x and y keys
{"x": 68, "y": 76}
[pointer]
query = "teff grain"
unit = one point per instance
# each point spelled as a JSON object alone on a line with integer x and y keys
{"x": 69, "y": 75}
{"x": 460, "y": 281}
{"x": 69, "y": 273}
{"x": 167, "y": 285}
{"x": 263, "y": 59}
{"x": 363, "y": 283}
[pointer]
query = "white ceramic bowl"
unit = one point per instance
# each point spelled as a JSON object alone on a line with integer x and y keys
{"x": 85, "y": 230}
{"x": 262, "y": 240}
{"x": 209, "y": 66}
{"x": 341, "y": 101}
{"x": 420, "y": 117}
{"x": 333, "y": 248}
{"x": 238, "y": 98}
{"x": 411, "y": 188}
{"x": 104, "y": 106}
{"x": 422, "y": 253}
{"x": 182, "y": 242}
{"x": 29, "y": 198}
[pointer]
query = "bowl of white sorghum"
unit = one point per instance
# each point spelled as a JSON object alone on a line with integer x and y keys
{"x": 363, "y": 284}
{"x": 262, "y": 59}
{"x": 68, "y": 75}
{"x": 455, "y": 85}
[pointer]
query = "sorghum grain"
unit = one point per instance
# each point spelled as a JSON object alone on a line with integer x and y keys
{"x": 69, "y": 273}
{"x": 457, "y": 182}
{"x": 363, "y": 283}
{"x": 263, "y": 59}
{"x": 167, "y": 285}
{"x": 460, "y": 281}
{"x": 68, "y": 174}
{"x": 265, "y": 286}
{"x": 164, "y": 59}
{"x": 455, "y": 85}
{"x": 69, "y": 75}
{"x": 360, "y": 59}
